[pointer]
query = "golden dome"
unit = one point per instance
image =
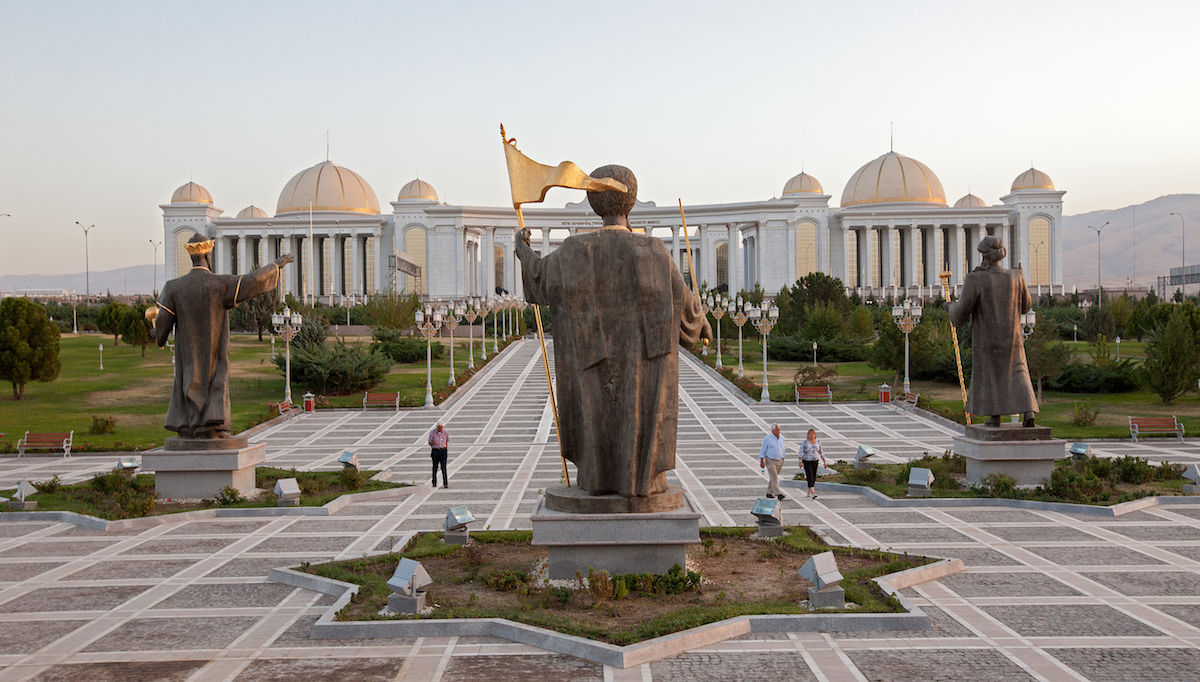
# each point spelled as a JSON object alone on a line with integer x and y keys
{"x": 329, "y": 187}
{"x": 893, "y": 178}
{"x": 419, "y": 190}
{"x": 803, "y": 184}
{"x": 970, "y": 201}
{"x": 252, "y": 212}
{"x": 1032, "y": 179}
{"x": 191, "y": 192}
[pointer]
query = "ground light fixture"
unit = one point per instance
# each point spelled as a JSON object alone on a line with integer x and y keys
{"x": 769, "y": 513}
{"x": 862, "y": 457}
{"x": 1192, "y": 474}
{"x": 821, "y": 570}
{"x": 455, "y": 526}
{"x": 920, "y": 482}
{"x": 127, "y": 464}
{"x": 20, "y": 499}
{"x": 408, "y": 583}
{"x": 288, "y": 491}
{"x": 349, "y": 460}
{"x": 1080, "y": 451}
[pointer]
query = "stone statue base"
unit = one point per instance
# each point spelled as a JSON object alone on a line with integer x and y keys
{"x": 619, "y": 543}
{"x": 1025, "y": 453}
{"x": 190, "y": 468}
{"x": 575, "y": 501}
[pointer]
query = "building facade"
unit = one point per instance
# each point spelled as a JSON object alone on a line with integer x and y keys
{"x": 892, "y": 235}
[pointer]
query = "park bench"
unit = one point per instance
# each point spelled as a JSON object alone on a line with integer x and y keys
{"x": 813, "y": 393}
{"x": 288, "y": 409}
{"x": 1142, "y": 426}
{"x": 905, "y": 402}
{"x": 45, "y": 441}
{"x": 391, "y": 400}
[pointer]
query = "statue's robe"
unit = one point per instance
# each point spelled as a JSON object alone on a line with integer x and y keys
{"x": 197, "y": 306}
{"x": 620, "y": 310}
{"x": 993, "y": 300}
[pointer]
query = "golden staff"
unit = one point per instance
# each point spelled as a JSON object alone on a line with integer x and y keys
{"x": 687, "y": 242}
{"x": 962, "y": 384}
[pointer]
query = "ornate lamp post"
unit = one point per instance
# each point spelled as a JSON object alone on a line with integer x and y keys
{"x": 428, "y": 321}
{"x": 716, "y": 305}
{"x": 471, "y": 313}
{"x": 906, "y": 317}
{"x": 706, "y": 304}
{"x": 814, "y": 353}
{"x": 1118, "y": 349}
{"x": 454, "y": 315}
{"x": 494, "y": 307}
{"x": 482, "y": 304}
{"x": 1028, "y": 322}
{"x": 287, "y": 325}
{"x": 738, "y": 313}
{"x": 764, "y": 322}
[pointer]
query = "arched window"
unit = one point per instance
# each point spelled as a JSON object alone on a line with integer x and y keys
{"x": 806, "y": 248}
{"x": 414, "y": 246}
{"x": 852, "y": 264}
{"x": 183, "y": 261}
{"x": 498, "y": 255}
{"x": 1039, "y": 252}
{"x": 722, "y": 264}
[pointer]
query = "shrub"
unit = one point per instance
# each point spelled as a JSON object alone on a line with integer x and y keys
{"x": 336, "y": 369}
{"x": 1172, "y": 359}
{"x": 230, "y": 495}
{"x": 1077, "y": 377}
{"x": 999, "y": 485}
{"x": 102, "y": 425}
{"x": 600, "y": 585}
{"x": 50, "y": 485}
{"x": 403, "y": 348}
{"x": 351, "y": 478}
{"x": 1084, "y": 414}
{"x": 1075, "y": 486}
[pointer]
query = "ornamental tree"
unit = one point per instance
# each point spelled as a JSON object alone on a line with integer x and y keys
{"x": 28, "y": 345}
{"x": 135, "y": 329}
{"x": 108, "y": 320}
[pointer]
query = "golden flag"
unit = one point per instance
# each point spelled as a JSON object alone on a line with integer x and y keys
{"x": 531, "y": 180}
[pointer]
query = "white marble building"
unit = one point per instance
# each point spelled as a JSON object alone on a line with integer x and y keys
{"x": 891, "y": 235}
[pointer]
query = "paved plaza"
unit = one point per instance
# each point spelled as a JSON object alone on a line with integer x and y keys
{"x": 1046, "y": 595}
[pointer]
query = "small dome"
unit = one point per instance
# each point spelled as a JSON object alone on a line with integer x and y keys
{"x": 803, "y": 184}
{"x": 191, "y": 192}
{"x": 327, "y": 187}
{"x": 1032, "y": 179}
{"x": 893, "y": 178}
{"x": 418, "y": 190}
{"x": 970, "y": 201}
{"x": 252, "y": 212}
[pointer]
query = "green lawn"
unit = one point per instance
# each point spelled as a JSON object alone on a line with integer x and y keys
{"x": 135, "y": 391}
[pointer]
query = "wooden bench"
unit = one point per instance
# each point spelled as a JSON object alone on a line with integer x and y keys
{"x": 1142, "y": 426}
{"x": 289, "y": 410}
{"x": 814, "y": 393}
{"x": 391, "y": 400}
{"x": 45, "y": 441}
{"x": 905, "y": 402}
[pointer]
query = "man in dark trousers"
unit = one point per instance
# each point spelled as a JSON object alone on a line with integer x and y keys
{"x": 439, "y": 442}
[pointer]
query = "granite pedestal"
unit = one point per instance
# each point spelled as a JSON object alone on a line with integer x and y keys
{"x": 1025, "y": 453}
{"x": 456, "y": 537}
{"x": 828, "y": 598}
{"x": 402, "y": 603}
{"x": 190, "y": 468}
{"x": 1189, "y": 489}
{"x": 620, "y": 543}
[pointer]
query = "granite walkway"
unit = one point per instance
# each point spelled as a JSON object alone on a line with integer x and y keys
{"x": 1046, "y": 595}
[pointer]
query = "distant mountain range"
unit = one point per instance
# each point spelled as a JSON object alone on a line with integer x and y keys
{"x": 1140, "y": 243}
{"x": 136, "y": 279}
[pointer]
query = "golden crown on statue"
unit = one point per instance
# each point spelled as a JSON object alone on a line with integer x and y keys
{"x": 197, "y": 248}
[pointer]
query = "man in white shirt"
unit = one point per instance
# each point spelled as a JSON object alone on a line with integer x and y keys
{"x": 770, "y": 457}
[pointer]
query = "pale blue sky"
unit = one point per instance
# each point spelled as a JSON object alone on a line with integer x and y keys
{"x": 108, "y": 107}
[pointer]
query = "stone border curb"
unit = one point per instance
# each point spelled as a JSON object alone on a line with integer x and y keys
{"x": 609, "y": 654}
{"x": 88, "y": 521}
{"x": 1112, "y": 510}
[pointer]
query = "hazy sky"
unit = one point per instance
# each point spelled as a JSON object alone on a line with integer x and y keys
{"x": 106, "y": 107}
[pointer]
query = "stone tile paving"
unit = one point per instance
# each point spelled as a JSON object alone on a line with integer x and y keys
{"x": 1046, "y": 595}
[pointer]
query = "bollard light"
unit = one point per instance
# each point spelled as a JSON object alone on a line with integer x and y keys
{"x": 458, "y": 518}
{"x": 769, "y": 514}
{"x": 288, "y": 491}
{"x": 349, "y": 460}
{"x": 409, "y": 578}
{"x": 127, "y": 464}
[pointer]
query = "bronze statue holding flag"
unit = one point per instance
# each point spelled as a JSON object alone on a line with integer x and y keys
{"x": 621, "y": 311}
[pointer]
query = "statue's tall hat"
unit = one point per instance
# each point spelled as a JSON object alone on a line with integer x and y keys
{"x": 199, "y": 244}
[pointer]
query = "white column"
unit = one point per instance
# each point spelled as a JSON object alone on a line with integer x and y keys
{"x": 489, "y": 261}
{"x": 356, "y": 263}
{"x": 792, "y": 272}
{"x": 908, "y": 261}
{"x": 290, "y": 275}
{"x": 845, "y": 233}
{"x": 887, "y": 257}
{"x": 1005, "y": 232}
{"x": 866, "y": 237}
{"x": 675, "y": 250}
{"x": 735, "y": 259}
{"x": 510, "y": 270}
{"x": 380, "y": 262}
{"x": 545, "y": 241}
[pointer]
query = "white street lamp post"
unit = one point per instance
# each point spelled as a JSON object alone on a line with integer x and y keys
{"x": 482, "y": 304}
{"x": 1118, "y": 349}
{"x": 764, "y": 322}
{"x": 906, "y": 317}
{"x": 705, "y": 305}
{"x": 87, "y": 260}
{"x": 814, "y": 353}
{"x": 287, "y": 325}
{"x": 155, "y": 245}
{"x": 471, "y": 313}
{"x": 716, "y": 305}
{"x": 102, "y": 357}
{"x": 428, "y": 321}
{"x": 496, "y": 306}
{"x": 454, "y": 315}
{"x": 1098, "y": 231}
{"x": 738, "y": 313}
{"x": 1182, "y": 253}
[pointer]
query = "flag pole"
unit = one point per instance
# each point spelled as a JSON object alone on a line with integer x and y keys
{"x": 537, "y": 316}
